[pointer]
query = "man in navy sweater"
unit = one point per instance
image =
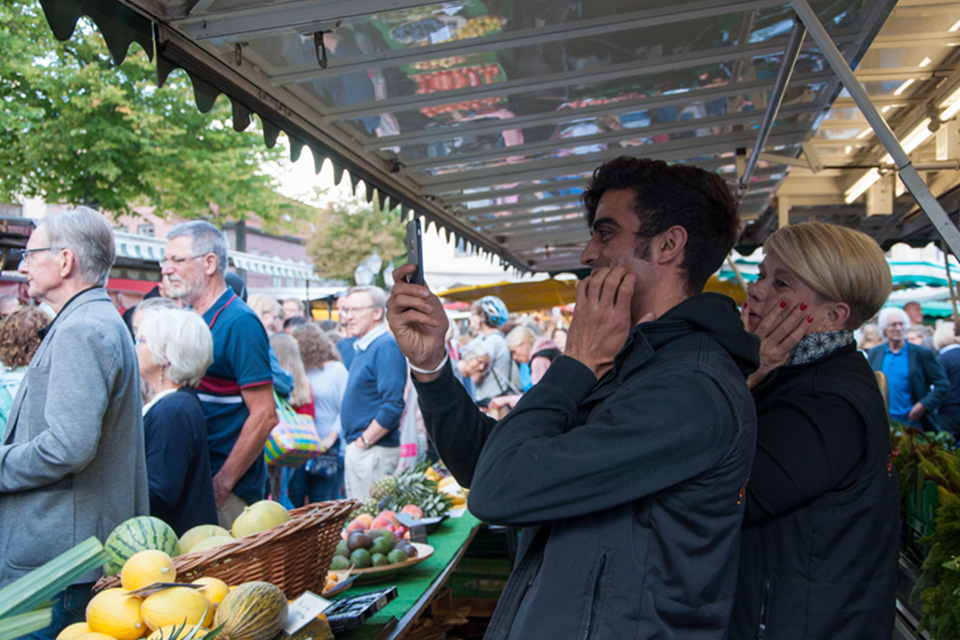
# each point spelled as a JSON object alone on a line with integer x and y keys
{"x": 373, "y": 401}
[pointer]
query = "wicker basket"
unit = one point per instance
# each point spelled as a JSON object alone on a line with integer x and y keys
{"x": 294, "y": 556}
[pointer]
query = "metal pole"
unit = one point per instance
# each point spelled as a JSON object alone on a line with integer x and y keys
{"x": 908, "y": 173}
{"x": 790, "y": 55}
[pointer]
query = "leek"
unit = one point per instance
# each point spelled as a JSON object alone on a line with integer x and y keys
{"x": 40, "y": 585}
{"x": 25, "y": 623}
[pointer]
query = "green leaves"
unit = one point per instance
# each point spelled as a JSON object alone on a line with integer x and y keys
{"x": 75, "y": 128}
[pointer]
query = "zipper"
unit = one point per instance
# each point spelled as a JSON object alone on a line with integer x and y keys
{"x": 764, "y": 606}
{"x": 595, "y": 602}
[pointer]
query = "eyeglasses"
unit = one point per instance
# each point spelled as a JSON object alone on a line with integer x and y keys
{"x": 349, "y": 311}
{"x": 176, "y": 262}
{"x": 138, "y": 340}
{"x": 26, "y": 254}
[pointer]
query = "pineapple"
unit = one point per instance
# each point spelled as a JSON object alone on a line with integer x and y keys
{"x": 384, "y": 487}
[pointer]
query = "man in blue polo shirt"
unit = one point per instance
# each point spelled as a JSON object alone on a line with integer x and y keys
{"x": 237, "y": 390}
{"x": 917, "y": 383}
{"x": 373, "y": 400}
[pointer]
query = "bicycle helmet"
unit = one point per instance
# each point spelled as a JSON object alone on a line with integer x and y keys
{"x": 493, "y": 311}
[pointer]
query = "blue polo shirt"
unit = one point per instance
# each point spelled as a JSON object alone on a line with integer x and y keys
{"x": 378, "y": 375}
{"x": 896, "y": 368}
{"x": 241, "y": 359}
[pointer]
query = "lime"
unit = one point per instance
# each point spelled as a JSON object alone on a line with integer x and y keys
{"x": 396, "y": 556}
{"x": 360, "y": 559}
{"x": 382, "y": 545}
{"x": 339, "y": 563}
{"x": 379, "y": 560}
{"x": 342, "y": 549}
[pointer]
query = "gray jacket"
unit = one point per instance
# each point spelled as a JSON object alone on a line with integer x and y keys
{"x": 71, "y": 459}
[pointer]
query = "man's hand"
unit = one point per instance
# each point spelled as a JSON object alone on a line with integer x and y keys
{"x": 779, "y": 332}
{"x": 601, "y": 319}
{"x": 221, "y": 488}
{"x": 418, "y": 322}
{"x": 916, "y": 412}
{"x": 249, "y": 445}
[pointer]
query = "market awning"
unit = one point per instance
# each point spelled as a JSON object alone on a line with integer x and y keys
{"x": 153, "y": 250}
{"x": 545, "y": 294}
{"x": 487, "y": 116}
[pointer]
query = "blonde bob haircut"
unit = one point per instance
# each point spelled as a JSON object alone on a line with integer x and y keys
{"x": 181, "y": 339}
{"x": 840, "y": 264}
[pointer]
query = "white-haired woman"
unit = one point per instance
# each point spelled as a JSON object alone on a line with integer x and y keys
{"x": 174, "y": 348}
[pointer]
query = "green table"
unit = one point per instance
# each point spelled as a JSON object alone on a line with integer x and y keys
{"x": 416, "y": 586}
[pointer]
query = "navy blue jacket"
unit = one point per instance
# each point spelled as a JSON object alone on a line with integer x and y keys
{"x": 628, "y": 489}
{"x": 928, "y": 382}
{"x": 178, "y": 463}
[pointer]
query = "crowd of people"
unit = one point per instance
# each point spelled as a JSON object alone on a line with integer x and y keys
{"x": 676, "y": 466}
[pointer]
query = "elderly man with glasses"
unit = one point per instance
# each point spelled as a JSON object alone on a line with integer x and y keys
{"x": 373, "y": 400}
{"x": 71, "y": 459}
{"x": 237, "y": 391}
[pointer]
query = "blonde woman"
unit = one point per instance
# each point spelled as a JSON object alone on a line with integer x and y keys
{"x": 818, "y": 556}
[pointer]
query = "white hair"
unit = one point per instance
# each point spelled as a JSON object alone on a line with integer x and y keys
{"x": 179, "y": 338}
{"x": 884, "y": 319}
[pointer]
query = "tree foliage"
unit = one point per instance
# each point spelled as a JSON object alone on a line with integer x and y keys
{"x": 75, "y": 128}
{"x": 348, "y": 232}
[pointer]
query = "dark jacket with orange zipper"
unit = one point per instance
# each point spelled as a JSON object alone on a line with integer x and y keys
{"x": 629, "y": 490}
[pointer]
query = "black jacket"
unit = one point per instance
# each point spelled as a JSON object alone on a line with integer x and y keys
{"x": 820, "y": 542}
{"x": 629, "y": 490}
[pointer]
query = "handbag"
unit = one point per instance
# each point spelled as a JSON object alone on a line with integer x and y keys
{"x": 294, "y": 440}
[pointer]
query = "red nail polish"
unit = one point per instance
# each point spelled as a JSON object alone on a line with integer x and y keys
{"x": 744, "y": 305}
{"x": 809, "y": 318}
{"x": 803, "y": 305}
{"x": 783, "y": 304}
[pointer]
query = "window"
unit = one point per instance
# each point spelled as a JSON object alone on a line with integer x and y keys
{"x": 146, "y": 230}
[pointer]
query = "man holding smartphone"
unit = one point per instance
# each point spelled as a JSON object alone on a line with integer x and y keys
{"x": 626, "y": 464}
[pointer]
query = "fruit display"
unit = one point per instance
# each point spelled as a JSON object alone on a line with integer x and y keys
{"x": 209, "y": 543}
{"x": 458, "y": 495}
{"x": 138, "y": 534}
{"x": 479, "y": 26}
{"x": 366, "y": 548}
{"x": 258, "y": 517}
{"x": 457, "y": 78}
{"x": 252, "y": 611}
{"x": 74, "y": 630}
{"x": 317, "y": 629}
{"x": 413, "y": 486}
{"x": 197, "y": 534}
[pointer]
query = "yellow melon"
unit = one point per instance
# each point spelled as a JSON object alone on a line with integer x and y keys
{"x": 253, "y": 611}
{"x": 214, "y": 589}
{"x": 93, "y": 635}
{"x": 166, "y": 632}
{"x": 115, "y": 613}
{"x": 174, "y": 606}
{"x": 210, "y": 543}
{"x": 191, "y": 537}
{"x": 73, "y": 631}
{"x": 260, "y": 516}
{"x": 145, "y": 568}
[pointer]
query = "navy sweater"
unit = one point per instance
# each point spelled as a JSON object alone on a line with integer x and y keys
{"x": 375, "y": 390}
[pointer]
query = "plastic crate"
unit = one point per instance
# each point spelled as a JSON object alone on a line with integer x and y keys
{"x": 479, "y": 578}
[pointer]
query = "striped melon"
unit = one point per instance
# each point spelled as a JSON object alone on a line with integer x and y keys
{"x": 138, "y": 534}
{"x": 252, "y": 611}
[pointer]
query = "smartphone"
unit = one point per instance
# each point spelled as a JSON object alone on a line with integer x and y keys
{"x": 415, "y": 251}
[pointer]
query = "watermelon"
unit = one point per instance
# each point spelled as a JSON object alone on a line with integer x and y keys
{"x": 138, "y": 534}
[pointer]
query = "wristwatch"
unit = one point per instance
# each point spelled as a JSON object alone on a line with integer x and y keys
{"x": 366, "y": 445}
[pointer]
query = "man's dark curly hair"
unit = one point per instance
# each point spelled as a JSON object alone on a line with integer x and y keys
{"x": 674, "y": 195}
{"x": 18, "y": 336}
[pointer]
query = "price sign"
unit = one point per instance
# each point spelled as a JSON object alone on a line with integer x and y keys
{"x": 304, "y": 609}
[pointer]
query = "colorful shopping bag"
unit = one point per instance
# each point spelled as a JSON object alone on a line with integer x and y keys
{"x": 294, "y": 440}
